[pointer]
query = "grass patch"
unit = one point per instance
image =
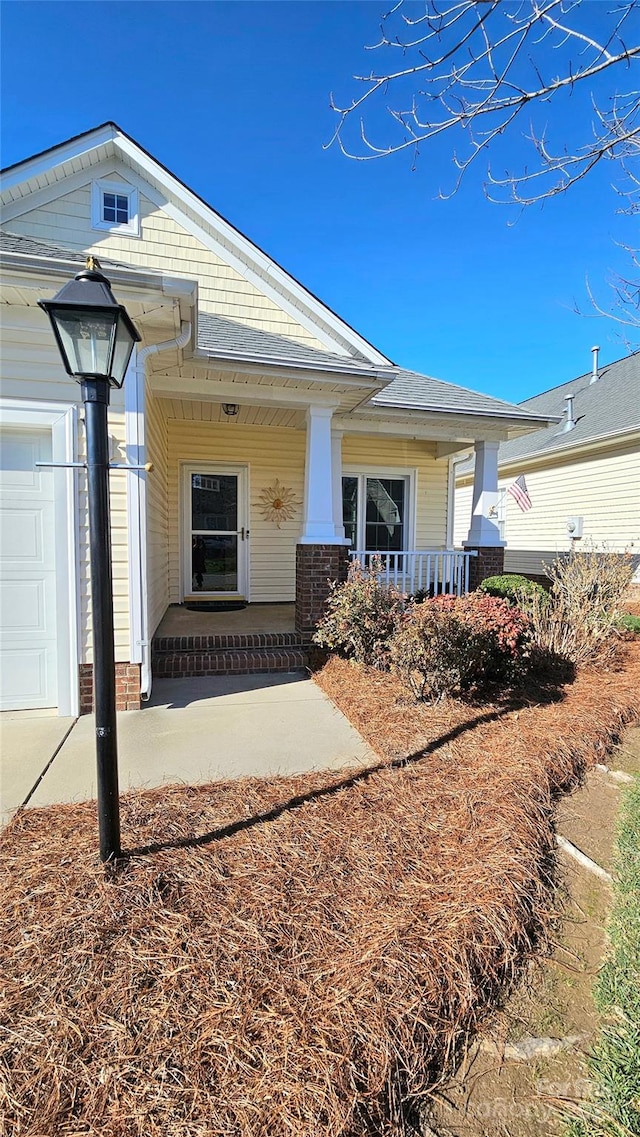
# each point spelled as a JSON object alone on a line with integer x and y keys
{"x": 289, "y": 956}
{"x": 615, "y": 1059}
{"x": 629, "y": 623}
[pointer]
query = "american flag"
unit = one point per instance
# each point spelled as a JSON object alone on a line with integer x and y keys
{"x": 519, "y": 493}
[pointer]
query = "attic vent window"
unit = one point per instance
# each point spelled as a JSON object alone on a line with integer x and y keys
{"x": 114, "y": 207}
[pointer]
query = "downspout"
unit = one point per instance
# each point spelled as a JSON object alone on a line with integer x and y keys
{"x": 135, "y": 407}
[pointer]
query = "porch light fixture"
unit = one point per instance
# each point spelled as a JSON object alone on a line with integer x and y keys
{"x": 230, "y": 409}
{"x": 94, "y": 333}
{"x": 95, "y": 337}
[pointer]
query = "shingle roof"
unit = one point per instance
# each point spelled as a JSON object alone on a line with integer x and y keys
{"x": 224, "y": 338}
{"x": 411, "y": 390}
{"x": 26, "y": 246}
{"x": 605, "y": 408}
{"x": 228, "y": 339}
{"x": 109, "y": 131}
{"x": 608, "y": 406}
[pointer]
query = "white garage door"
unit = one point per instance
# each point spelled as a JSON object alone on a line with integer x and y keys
{"x": 27, "y": 572}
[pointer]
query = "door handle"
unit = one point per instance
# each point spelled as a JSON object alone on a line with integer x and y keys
{"x": 244, "y": 533}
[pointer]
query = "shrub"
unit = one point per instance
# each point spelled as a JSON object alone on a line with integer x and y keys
{"x": 507, "y": 626}
{"x": 361, "y": 615}
{"x": 432, "y": 651}
{"x": 598, "y": 579}
{"x": 511, "y": 587}
{"x": 629, "y": 623}
{"x": 580, "y": 623}
{"x": 451, "y": 644}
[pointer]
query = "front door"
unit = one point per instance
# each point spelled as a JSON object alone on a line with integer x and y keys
{"x": 215, "y": 534}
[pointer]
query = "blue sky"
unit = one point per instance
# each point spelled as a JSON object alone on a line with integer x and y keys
{"x": 234, "y": 98}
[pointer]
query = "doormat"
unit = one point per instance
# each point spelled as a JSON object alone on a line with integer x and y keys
{"x": 215, "y": 605}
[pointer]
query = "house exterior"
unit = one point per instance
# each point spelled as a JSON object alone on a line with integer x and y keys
{"x": 582, "y": 472}
{"x": 280, "y": 439}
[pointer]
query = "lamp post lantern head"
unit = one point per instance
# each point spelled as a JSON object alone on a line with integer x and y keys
{"x": 94, "y": 333}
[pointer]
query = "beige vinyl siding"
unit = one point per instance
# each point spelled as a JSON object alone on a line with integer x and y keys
{"x": 119, "y": 545}
{"x": 157, "y": 512}
{"x": 31, "y": 369}
{"x": 166, "y": 247}
{"x": 268, "y": 453}
{"x": 366, "y": 453}
{"x": 603, "y": 489}
{"x": 462, "y": 514}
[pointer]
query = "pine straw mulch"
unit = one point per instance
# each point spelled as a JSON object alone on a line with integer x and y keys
{"x": 290, "y": 956}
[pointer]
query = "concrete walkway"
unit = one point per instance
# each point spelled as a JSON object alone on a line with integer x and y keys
{"x": 192, "y": 730}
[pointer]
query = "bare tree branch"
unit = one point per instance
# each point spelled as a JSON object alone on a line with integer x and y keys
{"x": 624, "y": 300}
{"x": 474, "y": 66}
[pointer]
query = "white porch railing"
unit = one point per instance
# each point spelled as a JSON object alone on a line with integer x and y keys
{"x": 434, "y": 571}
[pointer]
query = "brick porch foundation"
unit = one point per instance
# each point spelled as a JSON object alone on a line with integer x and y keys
{"x": 489, "y": 562}
{"x": 316, "y": 565}
{"x": 127, "y": 687}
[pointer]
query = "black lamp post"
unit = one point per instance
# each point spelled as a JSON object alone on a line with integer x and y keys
{"x": 96, "y": 336}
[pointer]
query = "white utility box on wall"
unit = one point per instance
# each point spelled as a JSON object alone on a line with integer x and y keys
{"x": 574, "y": 527}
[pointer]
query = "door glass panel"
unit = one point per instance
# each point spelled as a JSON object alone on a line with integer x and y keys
{"x": 384, "y": 517}
{"x": 350, "y": 509}
{"x": 214, "y": 502}
{"x": 214, "y": 563}
{"x": 214, "y": 532}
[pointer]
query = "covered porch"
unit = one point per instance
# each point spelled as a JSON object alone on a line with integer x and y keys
{"x": 342, "y": 482}
{"x": 262, "y": 508}
{"x": 267, "y": 483}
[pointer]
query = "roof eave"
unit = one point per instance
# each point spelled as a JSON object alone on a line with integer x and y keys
{"x": 228, "y": 360}
{"x": 35, "y": 164}
{"x": 271, "y": 271}
{"x": 596, "y": 442}
{"x": 528, "y": 461}
{"x": 55, "y": 266}
{"x": 534, "y": 422}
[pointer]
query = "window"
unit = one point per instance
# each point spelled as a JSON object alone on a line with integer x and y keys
{"x": 376, "y": 511}
{"x": 114, "y": 207}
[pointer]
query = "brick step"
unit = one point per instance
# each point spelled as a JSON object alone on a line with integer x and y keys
{"x": 245, "y": 641}
{"x": 232, "y": 661}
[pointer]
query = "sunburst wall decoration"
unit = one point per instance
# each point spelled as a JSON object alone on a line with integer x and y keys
{"x": 278, "y": 503}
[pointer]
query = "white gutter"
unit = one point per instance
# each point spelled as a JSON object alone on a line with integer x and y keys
{"x": 522, "y": 419}
{"x": 135, "y": 435}
{"x": 332, "y": 367}
{"x": 548, "y": 456}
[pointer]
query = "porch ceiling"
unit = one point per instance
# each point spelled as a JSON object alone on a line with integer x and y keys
{"x": 255, "y": 386}
{"x": 248, "y": 414}
{"x": 270, "y": 404}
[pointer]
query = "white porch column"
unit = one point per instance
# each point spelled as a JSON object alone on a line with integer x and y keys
{"x": 336, "y": 472}
{"x": 484, "y": 529}
{"x": 318, "y": 525}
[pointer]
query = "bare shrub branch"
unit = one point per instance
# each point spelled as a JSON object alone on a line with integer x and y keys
{"x": 579, "y": 623}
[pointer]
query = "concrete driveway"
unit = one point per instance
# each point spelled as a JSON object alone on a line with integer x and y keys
{"x": 192, "y": 730}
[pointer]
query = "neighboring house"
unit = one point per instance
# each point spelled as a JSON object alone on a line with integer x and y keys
{"x": 582, "y": 473}
{"x": 279, "y": 437}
